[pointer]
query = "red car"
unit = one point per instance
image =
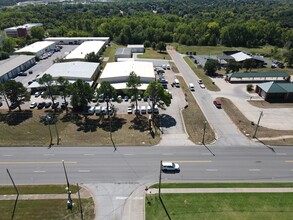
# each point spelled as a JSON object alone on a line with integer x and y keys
{"x": 217, "y": 103}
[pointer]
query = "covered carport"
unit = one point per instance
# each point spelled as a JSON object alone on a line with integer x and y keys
{"x": 257, "y": 77}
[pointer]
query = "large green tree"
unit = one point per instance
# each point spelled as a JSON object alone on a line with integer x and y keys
{"x": 211, "y": 66}
{"x": 289, "y": 58}
{"x": 107, "y": 91}
{"x": 38, "y": 33}
{"x": 16, "y": 92}
{"x": 49, "y": 83}
{"x": 133, "y": 83}
{"x": 8, "y": 45}
{"x": 82, "y": 94}
{"x": 63, "y": 88}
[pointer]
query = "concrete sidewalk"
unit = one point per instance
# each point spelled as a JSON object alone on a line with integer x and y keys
{"x": 220, "y": 190}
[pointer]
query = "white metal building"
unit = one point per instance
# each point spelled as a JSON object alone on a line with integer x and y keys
{"x": 136, "y": 48}
{"x": 85, "y": 48}
{"x": 117, "y": 73}
{"x": 123, "y": 53}
{"x": 77, "y": 40}
{"x": 11, "y": 67}
{"x": 38, "y": 48}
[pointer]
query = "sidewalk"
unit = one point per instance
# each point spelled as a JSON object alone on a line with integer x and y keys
{"x": 84, "y": 194}
{"x": 220, "y": 190}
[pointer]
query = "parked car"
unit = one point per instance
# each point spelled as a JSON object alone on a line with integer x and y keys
{"x": 37, "y": 94}
{"x": 55, "y": 105}
{"x": 170, "y": 167}
{"x": 33, "y": 105}
{"x": 64, "y": 105}
{"x": 199, "y": 81}
{"x": 143, "y": 110}
{"x": 48, "y": 104}
{"x": 217, "y": 103}
{"x": 91, "y": 110}
{"x": 202, "y": 86}
{"x": 1, "y": 104}
{"x": 22, "y": 74}
{"x": 126, "y": 98}
{"x": 41, "y": 105}
{"x": 149, "y": 109}
{"x": 129, "y": 110}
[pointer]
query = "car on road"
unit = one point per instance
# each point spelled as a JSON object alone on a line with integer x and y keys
{"x": 33, "y": 105}
{"x": 202, "y": 86}
{"x": 191, "y": 87}
{"x": 170, "y": 167}
{"x": 199, "y": 81}
{"x": 41, "y": 105}
{"x": 217, "y": 103}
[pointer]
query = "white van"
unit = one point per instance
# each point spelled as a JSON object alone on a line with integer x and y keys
{"x": 191, "y": 86}
{"x": 176, "y": 82}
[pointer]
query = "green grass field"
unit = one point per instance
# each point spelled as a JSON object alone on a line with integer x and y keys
{"x": 49, "y": 209}
{"x": 153, "y": 54}
{"x": 224, "y": 206}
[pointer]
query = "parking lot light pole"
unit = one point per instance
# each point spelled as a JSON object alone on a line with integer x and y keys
{"x": 69, "y": 201}
{"x": 48, "y": 119}
{"x": 204, "y": 132}
{"x": 160, "y": 178}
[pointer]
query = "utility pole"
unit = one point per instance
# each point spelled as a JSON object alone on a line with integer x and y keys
{"x": 160, "y": 178}
{"x": 17, "y": 194}
{"x": 80, "y": 206}
{"x": 69, "y": 201}
{"x": 48, "y": 120}
{"x": 204, "y": 132}
{"x": 57, "y": 133}
{"x": 257, "y": 125}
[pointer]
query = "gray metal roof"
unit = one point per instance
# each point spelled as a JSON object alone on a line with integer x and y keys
{"x": 12, "y": 63}
{"x": 273, "y": 87}
{"x": 123, "y": 50}
{"x": 257, "y": 74}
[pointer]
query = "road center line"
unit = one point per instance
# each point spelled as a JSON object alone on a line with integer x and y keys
{"x": 49, "y": 154}
{"x": 39, "y": 171}
{"x": 212, "y": 170}
{"x": 281, "y": 154}
{"x": 167, "y": 154}
{"x": 7, "y": 155}
{"x": 84, "y": 171}
{"x": 128, "y": 154}
{"x": 88, "y": 154}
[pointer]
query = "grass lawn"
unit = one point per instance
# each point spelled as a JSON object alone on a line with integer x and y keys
{"x": 37, "y": 189}
{"x": 220, "y": 206}
{"x": 73, "y": 130}
{"x": 153, "y": 54}
{"x": 194, "y": 118}
{"x": 248, "y": 128}
{"x": 201, "y": 74}
{"x": 46, "y": 209}
{"x": 224, "y": 185}
{"x": 218, "y": 50}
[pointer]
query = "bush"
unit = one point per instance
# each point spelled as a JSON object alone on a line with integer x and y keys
{"x": 249, "y": 87}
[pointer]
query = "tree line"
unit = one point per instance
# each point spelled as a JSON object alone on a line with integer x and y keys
{"x": 238, "y": 23}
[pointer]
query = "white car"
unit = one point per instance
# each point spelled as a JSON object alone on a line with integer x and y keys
{"x": 199, "y": 81}
{"x": 202, "y": 86}
{"x": 170, "y": 167}
{"x": 129, "y": 110}
{"x": 33, "y": 105}
{"x": 37, "y": 94}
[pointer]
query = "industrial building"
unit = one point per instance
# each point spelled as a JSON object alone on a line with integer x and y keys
{"x": 123, "y": 53}
{"x": 136, "y": 48}
{"x": 85, "y": 48}
{"x": 76, "y": 40}
{"x": 21, "y": 31}
{"x": 11, "y": 67}
{"x": 38, "y": 48}
{"x": 86, "y": 71}
{"x": 117, "y": 73}
{"x": 275, "y": 92}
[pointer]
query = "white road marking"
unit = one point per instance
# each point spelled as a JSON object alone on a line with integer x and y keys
{"x": 84, "y": 171}
{"x": 254, "y": 170}
{"x": 167, "y": 154}
{"x": 39, "y": 171}
{"x": 88, "y": 154}
{"x": 49, "y": 154}
{"x": 212, "y": 170}
{"x": 121, "y": 197}
{"x": 280, "y": 154}
{"x": 7, "y": 155}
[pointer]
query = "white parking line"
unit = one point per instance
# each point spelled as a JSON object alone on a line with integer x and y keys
{"x": 212, "y": 170}
{"x": 84, "y": 171}
{"x": 254, "y": 170}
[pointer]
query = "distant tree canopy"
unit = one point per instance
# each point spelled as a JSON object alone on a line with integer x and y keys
{"x": 198, "y": 22}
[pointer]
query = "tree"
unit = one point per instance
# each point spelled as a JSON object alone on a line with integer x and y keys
{"x": 38, "y": 33}
{"x": 2, "y": 92}
{"x": 289, "y": 58}
{"x": 211, "y": 66}
{"x": 233, "y": 66}
{"x": 92, "y": 57}
{"x": 16, "y": 92}
{"x": 160, "y": 97}
{"x": 132, "y": 84}
{"x": 82, "y": 94}
{"x": 8, "y": 45}
{"x": 63, "y": 87}
{"x": 49, "y": 83}
{"x": 161, "y": 46}
{"x": 107, "y": 91}
{"x": 248, "y": 64}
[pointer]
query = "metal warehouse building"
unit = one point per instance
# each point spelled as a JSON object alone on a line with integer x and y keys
{"x": 15, "y": 64}
{"x": 38, "y": 48}
{"x": 77, "y": 40}
{"x": 117, "y": 73}
{"x": 85, "y": 48}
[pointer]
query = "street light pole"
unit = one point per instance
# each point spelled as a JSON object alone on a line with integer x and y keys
{"x": 69, "y": 201}
{"x": 257, "y": 125}
{"x": 160, "y": 178}
{"x": 17, "y": 194}
{"x": 48, "y": 119}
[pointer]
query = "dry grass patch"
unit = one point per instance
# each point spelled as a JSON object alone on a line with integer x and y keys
{"x": 174, "y": 67}
{"x": 194, "y": 119}
{"x": 26, "y": 129}
{"x": 248, "y": 128}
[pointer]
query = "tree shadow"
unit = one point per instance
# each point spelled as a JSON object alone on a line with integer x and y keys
{"x": 166, "y": 121}
{"x": 140, "y": 123}
{"x": 116, "y": 124}
{"x": 14, "y": 118}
